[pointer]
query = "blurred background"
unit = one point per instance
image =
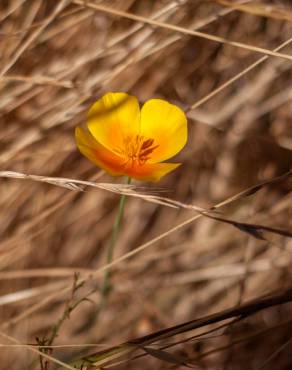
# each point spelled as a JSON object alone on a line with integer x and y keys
{"x": 56, "y": 59}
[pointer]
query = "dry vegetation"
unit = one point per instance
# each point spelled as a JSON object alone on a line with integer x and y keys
{"x": 228, "y": 64}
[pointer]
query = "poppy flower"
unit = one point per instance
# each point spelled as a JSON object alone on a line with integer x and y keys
{"x": 126, "y": 141}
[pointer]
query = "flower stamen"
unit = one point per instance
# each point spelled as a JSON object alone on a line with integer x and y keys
{"x": 136, "y": 149}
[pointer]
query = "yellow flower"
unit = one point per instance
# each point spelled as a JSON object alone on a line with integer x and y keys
{"x": 125, "y": 141}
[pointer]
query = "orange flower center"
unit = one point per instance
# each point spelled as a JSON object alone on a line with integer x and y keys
{"x": 137, "y": 149}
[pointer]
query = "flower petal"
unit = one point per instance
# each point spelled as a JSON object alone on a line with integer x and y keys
{"x": 113, "y": 118}
{"x": 115, "y": 165}
{"x": 151, "y": 171}
{"x": 167, "y": 125}
{"x": 98, "y": 154}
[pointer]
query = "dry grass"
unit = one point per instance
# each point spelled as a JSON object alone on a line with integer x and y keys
{"x": 228, "y": 64}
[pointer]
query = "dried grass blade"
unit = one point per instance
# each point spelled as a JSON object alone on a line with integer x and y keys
{"x": 258, "y": 9}
{"x": 254, "y": 230}
{"x": 167, "y": 357}
{"x": 249, "y": 308}
{"x": 182, "y": 30}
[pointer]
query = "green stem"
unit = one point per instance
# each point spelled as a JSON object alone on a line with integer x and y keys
{"x": 110, "y": 252}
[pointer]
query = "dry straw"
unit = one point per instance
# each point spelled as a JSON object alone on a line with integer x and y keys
{"x": 179, "y": 258}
